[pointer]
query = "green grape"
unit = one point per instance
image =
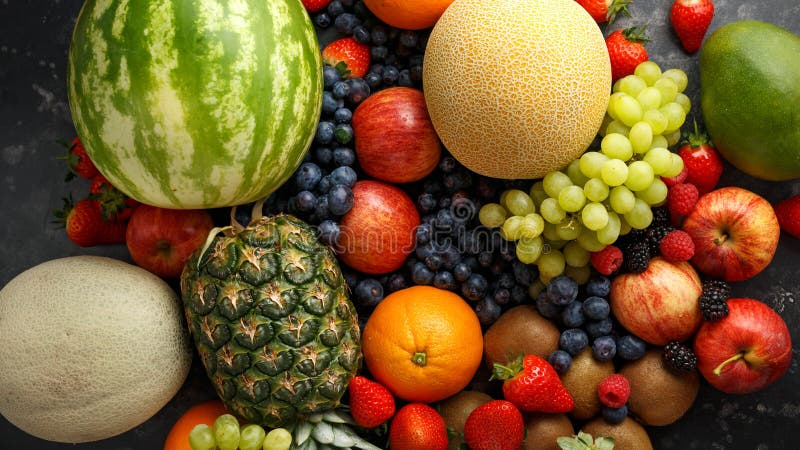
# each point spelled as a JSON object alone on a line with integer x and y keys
{"x": 251, "y": 437}
{"x": 278, "y": 439}
{"x": 588, "y": 240}
{"x": 594, "y": 216}
{"x": 574, "y": 173}
{"x": 591, "y": 162}
{"x": 604, "y": 124}
{"x": 571, "y": 198}
{"x": 631, "y": 85}
{"x": 641, "y": 137}
{"x": 511, "y": 228}
{"x": 659, "y": 141}
{"x": 532, "y": 226}
{"x": 614, "y": 172}
{"x": 616, "y": 146}
{"x": 618, "y": 127}
{"x": 529, "y": 249}
{"x": 675, "y": 116}
{"x": 621, "y": 199}
{"x": 580, "y": 274}
{"x": 673, "y": 138}
{"x": 492, "y": 215}
{"x": 537, "y": 193}
{"x": 554, "y": 182}
{"x": 685, "y": 102}
{"x": 624, "y": 226}
{"x": 575, "y": 255}
{"x": 612, "y": 104}
{"x": 640, "y": 216}
{"x": 609, "y": 233}
{"x": 678, "y": 76}
{"x": 535, "y": 288}
{"x": 668, "y": 89}
{"x": 569, "y": 230}
{"x": 659, "y": 158}
{"x": 675, "y": 167}
{"x": 649, "y": 71}
{"x": 551, "y": 212}
{"x": 640, "y": 176}
{"x": 518, "y": 202}
{"x": 550, "y": 232}
{"x": 202, "y": 438}
{"x": 502, "y": 199}
{"x": 649, "y": 98}
{"x": 226, "y": 432}
{"x": 629, "y": 111}
{"x": 596, "y": 190}
{"x": 655, "y": 194}
{"x": 558, "y": 244}
{"x": 657, "y": 121}
{"x": 551, "y": 264}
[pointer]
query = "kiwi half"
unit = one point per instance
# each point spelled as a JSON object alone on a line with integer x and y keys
{"x": 520, "y": 330}
{"x": 628, "y": 435}
{"x": 581, "y": 380}
{"x": 455, "y": 410}
{"x": 542, "y": 430}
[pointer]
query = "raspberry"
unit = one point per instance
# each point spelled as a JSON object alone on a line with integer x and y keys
{"x": 614, "y": 390}
{"x": 681, "y": 198}
{"x": 607, "y": 260}
{"x": 677, "y": 246}
{"x": 679, "y": 356}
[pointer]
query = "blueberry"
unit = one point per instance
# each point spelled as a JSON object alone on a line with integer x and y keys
{"x": 572, "y": 314}
{"x": 359, "y": 90}
{"x": 421, "y": 275}
{"x": 404, "y": 78}
{"x": 329, "y": 103}
{"x": 630, "y": 347}
{"x": 562, "y": 290}
{"x": 335, "y": 8}
{"x": 573, "y": 340}
{"x": 445, "y": 280}
{"x": 485, "y": 259}
{"x": 506, "y": 280}
{"x": 462, "y": 271}
{"x": 475, "y": 287}
{"x": 340, "y": 199}
{"x": 350, "y": 277}
{"x": 487, "y": 311}
{"x": 426, "y": 202}
{"x": 415, "y": 72}
{"x": 322, "y": 20}
{"x": 519, "y": 294}
{"x": 379, "y": 52}
{"x": 342, "y": 115}
{"x": 522, "y": 273}
{"x": 323, "y": 155}
{"x": 346, "y": 22}
{"x": 423, "y": 251}
{"x": 307, "y": 176}
{"x": 471, "y": 242}
{"x": 459, "y": 179}
{"x": 328, "y": 232}
{"x": 450, "y": 256}
{"x": 502, "y": 296}
{"x": 379, "y": 35}
{"x": 596, "y": 308}
{"x": 390, "y": 74}
{"x": 324, "y": 132}
{"x": 306, "y": 201}
{"x": 604, "y": 348}
{"x": 597, "y": 328}
{"x": 614, "y": 415}
{"x": 361, "y": 34}
{"x": 340, "y": 89}
{"x": 464, "y": 209}
{"x": 598, "y": 286}
{"x": 423, "y": 234}
{"x": 344, "y": 156}
{"x": 368, "y": 292}
{"x": 472, "y": 262}
{"x": 325, "y": 184}
{"x": 343, "y": 133}
{"x": 546, "y": 308}
{"x": 396, "y": 282}
{"x": 344, "y": 175}
{"x": 373, "y": 80}
{"x": 433, "y": 261}
{"x": 408, "y": 38}
{"x": 560, "y": 360}
{"x": 444, "y": 220}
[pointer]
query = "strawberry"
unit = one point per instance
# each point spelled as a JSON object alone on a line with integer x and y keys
{"x": 605, "y": 10}
{"x": 701, "y": 160}
{"x": 532, "y": 385}
{"x": 78, "y": 161}
{"x": 371, "y": 404}
{"x": 85, "y": 224}
{"x": 113, "y": 202}
{"x": 417, "y": 426}
{"x": 495, "y": 425}
{"x": 626, "y": 50}
{"x": 788, "y": 212}
{"x": 349, "y": 56}
{"x": 690, "y": 20}
{"x": 313, "y": 6}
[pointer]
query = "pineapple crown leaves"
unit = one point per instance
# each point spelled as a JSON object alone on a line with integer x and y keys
{"x": 636, "y": 34}
{"x": 233, "y": 228}
{"x": 617, "y": 7}
{"x": 696, "y": 138}
{"x": 508, "y": 370}
{"x": 584, "y": 441}
{"x": 331, "y": 428}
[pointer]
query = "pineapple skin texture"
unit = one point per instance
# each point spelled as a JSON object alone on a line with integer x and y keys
{"x": 269, "y": 313}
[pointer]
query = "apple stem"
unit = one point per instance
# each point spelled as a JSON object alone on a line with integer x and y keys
{"x": 718, "y": 370}
{"x": 720, "y": 240}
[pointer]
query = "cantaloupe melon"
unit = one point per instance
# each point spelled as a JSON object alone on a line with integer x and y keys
{"x": 90, "y": 347}
{"x": 516, "y": 88}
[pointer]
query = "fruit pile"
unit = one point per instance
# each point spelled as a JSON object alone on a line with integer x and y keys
{"x": 372, "y": 250}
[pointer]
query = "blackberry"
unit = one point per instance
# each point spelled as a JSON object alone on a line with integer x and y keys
{"x": 637, "y": 256}
{"x": 713, "y": 300}
{"x": 660, "y": 216}
{"x": 679, "y": 356}
{"x": 655, "y": 234}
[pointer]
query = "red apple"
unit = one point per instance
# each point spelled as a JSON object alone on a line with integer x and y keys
{"x": 660, "y": 304}
{"x": 395, "y": 139}
{"x": 377, "y": 234}
{"x": 735, "y": 233}
{"x": 161, "y": 240}
{"x": 745, "y": 351}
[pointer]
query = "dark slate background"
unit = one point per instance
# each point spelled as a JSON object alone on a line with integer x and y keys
{"x": 34, "y": 115}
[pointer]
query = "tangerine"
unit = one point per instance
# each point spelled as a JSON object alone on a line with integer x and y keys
{"x": 423, "y": 343}
{"x": 408, "y": 14}
{"x": 206, "y": 412}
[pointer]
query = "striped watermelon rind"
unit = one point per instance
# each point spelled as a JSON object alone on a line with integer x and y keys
{"x": 195, "y": 103}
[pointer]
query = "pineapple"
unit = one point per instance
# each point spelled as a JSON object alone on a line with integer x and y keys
{"x": 269, "y": 313}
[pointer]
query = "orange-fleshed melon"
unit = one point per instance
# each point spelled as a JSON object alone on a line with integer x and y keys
{"x": 516, "y": 88}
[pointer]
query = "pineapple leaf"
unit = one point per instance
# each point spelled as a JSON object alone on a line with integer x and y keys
{"x": 323, "y": 433}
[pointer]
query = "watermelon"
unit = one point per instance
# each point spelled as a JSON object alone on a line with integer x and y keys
{"x": 195, "y": 103}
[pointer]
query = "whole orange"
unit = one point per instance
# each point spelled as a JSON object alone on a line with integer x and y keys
{"x": 424, "y": 344}
{"x": 408, "y": 14}
{"x": 206, "y": 412}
